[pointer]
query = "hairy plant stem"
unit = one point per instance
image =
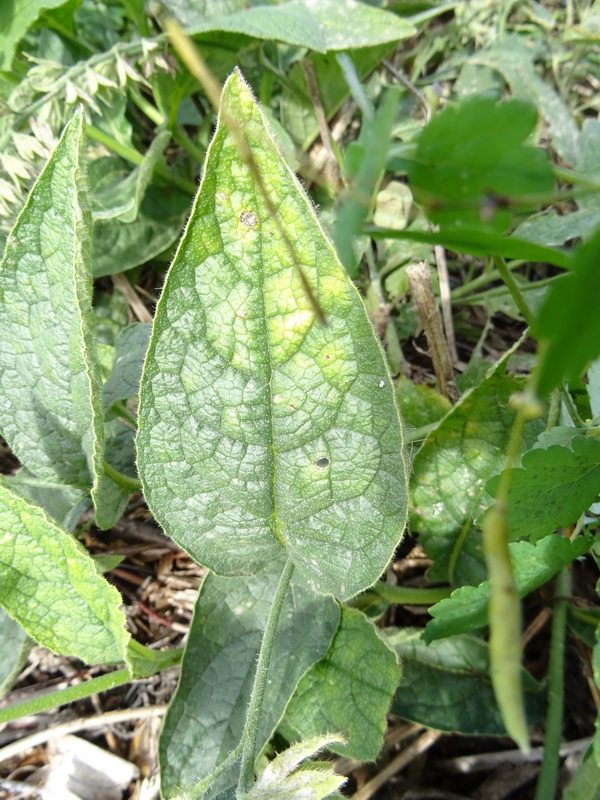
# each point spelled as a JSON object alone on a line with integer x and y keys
{"x": 199, "y": 789}
{"x": 62, "y": 696}
{"x": 250, "y": 733}
{"x": 504, "y": 603}
{"x": 417, "y": 434}
{"x": 124, "y": 481}
{"x": 546, "y": 785}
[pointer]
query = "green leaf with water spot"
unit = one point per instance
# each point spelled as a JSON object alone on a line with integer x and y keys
{"x": 51, "y": 586}
{"x": 261, "y": 430}
{"x": 349, "y": 690}
{"x": 218, "y": 668}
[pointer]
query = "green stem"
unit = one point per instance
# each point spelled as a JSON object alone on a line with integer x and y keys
{"x": 129, "y": 154}
{"x": 575, "y": 178}
{"x": 498, "y": 291}
{"x": 410, "y": 596}
{"x": 514, "y": 289}
{"x": 571, "y": 407}
{"x": 546, "y": 786}
{"x": 124, "y": 412}
{"x": 250, "y": 733}
{"x": 124, "y": 481}
{"x": 482, "y": 280}
{"x": 201, "y": 787}
{"x": 417, "y": 434}
{"x": 63, "y": 696}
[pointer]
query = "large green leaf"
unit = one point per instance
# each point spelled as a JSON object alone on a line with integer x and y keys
{"x": 15, "y": 645}
{"x": 16, "y": 17}
{"x": 64, "y": 504}
{"x": 218, "y": 669}
{"x": 452, "y": 466}
{"x": 261, "y": 429}
{"x": 446, "y": 686}
{"x": 51, "y": 586}
{"x": 552, "y": 487}
{"x": 349, "y": 690}
{"x": 51, "y": 410}
{"x": 316, "y": 24}
{"x": 467, "y": 607}
{"x": 470, "y": 154}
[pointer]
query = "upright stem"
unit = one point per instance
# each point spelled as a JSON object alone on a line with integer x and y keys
{"x": 546, "y": 786}
{"x": 513, "y": 288}
{"x": 250, "y": 734}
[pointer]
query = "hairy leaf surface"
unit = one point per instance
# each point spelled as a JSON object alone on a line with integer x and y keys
{"x": 218, "y": 669}
{"x": 349, "y": 690}
{"x": 15, "y": 645}
{"x": 51, "y": 414}
{"x": 260, "y": 429}
{"x": 51, "y": 586}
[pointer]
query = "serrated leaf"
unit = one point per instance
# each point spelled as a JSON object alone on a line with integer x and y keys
{"x": 349, "y": 690}
{"x": 218, "y": 669}
{"x": 446, "y": 686}
{"x": 51, "y": 412}
{"x": 569, "y": 338}
{"x": 260, "y": 429}
{"x": 552, "y": 487}
{"x": 282, "y": 780}
{"x": 453, "y": 464}
{"x": 472, "y": 152}
{"x": 130, "y": 351}
{"x": 534, "y": 565}
{"x": 51, "y": 587}
{"x": 15, "y": 645}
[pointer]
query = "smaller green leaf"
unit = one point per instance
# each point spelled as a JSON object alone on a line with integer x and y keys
{"x": 50, "y": 585}
{"x": 421, "y": 404}
{"x": 124, "y": 379}
{"x": 15, "y": 20}
{"x": 471, "y": 159}
{"x": 446, "y": 686}
{"x": 534, "y": 565}
{"x": 64, "y": 504}
{"x": 593, "y": 387}
{"x": 283, "y": 780}
{"x": 552, "y": 487}
{"x": 349, "y": 690}
{"x": 567, "y": 323}
{"x": 15, "y": 645}
{"x": 116, "y": 197}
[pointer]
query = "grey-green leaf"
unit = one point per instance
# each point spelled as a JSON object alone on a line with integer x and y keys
{"x": 218, "y": 668}
{"x": 124, "y": 379}
{"x": 52, "y": 588}
{"x": 15, "y": 645}
{"x": 260, "y": 429}
{"x": 349, "y": 690}
{"x": 446, "y": 686}
{"x": 51, "y": 412}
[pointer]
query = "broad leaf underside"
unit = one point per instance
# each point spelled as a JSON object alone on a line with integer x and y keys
{"x": 260, "y": 428}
